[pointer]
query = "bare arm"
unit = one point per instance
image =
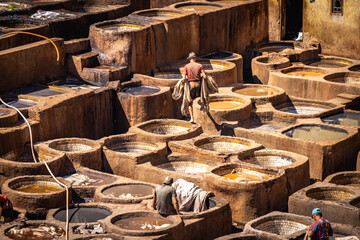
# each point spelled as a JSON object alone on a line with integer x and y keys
{"x": 184, "y": 77}
{"x": 154, "y": 201}
{"x": 203, "y": 74}
{"x": 176, "y": 205}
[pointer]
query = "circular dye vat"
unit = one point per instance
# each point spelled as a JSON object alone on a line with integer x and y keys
{"x": 121, "y": 27}
{"x": 186, "y": 166}
{"x": 142, "y": 223}
{"x": 280, "y": 226}
{"x": 304, "y": 73}
{"x": 19, "y": 103}
{"x": 169, "y": 75}
{"x": 159, "y": 13}
{"x": 220, "y": 55}
{"x": 329, "y": 63}
{"x": 141, "y": 90}
{"x": 133, "y": 147}
{"x": 355, "y": 68}
{"x": 88, "y": 179}
{"x": 348, "y": 179}
{"x": 166, "y": 128}
{"x": 222, "y": 145}
{"x": 352, "y": 78}
{"x": 224, "y": 104}
{"x": 70, "y": 146}
{"x": 128, "y": 191}
{"x": 4, "y": 113}
{"x": 315, "y": 132}
{"x": 243, "y": 175}
{"x": 40, "y": 91}
{"x": 270, "y": 160}
{"x": 329, "y": 194}
{"x": 267, "y": 127}
{"x": 301, "y": 108}
{"x": 256, "y": 91}
{"x": 35, "y": 232}
{"x": 197, "y": 7}
{"x": 343, "y": 119}
{"x": 82, "y": 214}
{"x": 38, "y": 187}
{"x": 274, "y": 47}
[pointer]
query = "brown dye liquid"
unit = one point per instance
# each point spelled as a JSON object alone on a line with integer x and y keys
{"x": 39, "y": 188}
{"x": 224, "y": 105}
{"x": 35, "y": 232}
{"x": 142, "y": 223}
{"x": 256, "y": 91}
{"x": 305, "y": 73}
{"x": 246, "y": 177}
{"x": 198, "y": 8}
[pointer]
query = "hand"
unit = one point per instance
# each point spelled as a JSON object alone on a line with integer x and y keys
{"x": 184, "y": 80}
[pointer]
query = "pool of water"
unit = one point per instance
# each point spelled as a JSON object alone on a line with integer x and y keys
{"x": 35, "y": 232}
{"x": 302, "y": 108}
{"x": 256, "y": 91}
{"x": 329, "y": 63}
{"x": 344, "y": 119}
{"x": 316, "y": 133}
{"x": 82, "y": 214}
{"x": 142, "y": 90}
{"x": 40, "y": 91}
{"x": 143, "y": 223}
{"x": 225, "y": 104}
{"x": 129, "y": 191}
{"x": 19, "y": 103}
{"x": 219, "y": 55}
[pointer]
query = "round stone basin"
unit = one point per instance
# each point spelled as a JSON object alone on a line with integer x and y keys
{"x": 119, "y": 26}
{"x": 220, "y": 55}
{"x": 303, "y": 72}
{"x": 132, "y": 147}
{"x": 6, "y": 6}
{"x": 225, "y": 104}
{"x": 329, "y": 63}
{"x": 222, "y": 144}
{"x": 302, "y": 108}
{"x": 40, "y": 91}
{"x": 343, "y": 119}
{"x": 19, "y": 103}
{"x": 141, "y": 90}
{"x": 129, "y": 191}
{"x": 270, "y": 160}
{"x": 35, "y": 232}
{"x": 329, "y": 194}
{"x": 70, "y": 146}
{"x": 24, "y": 155}
{"x": 159, "y": 13}
{"x": 242, "y": 174}
{"x": 277, "y": 47}
{"x": 355, "y": 68}
{"x": 314, "y": 132}
{"x": 197, "y": 7}
{"x": 166, "y": 128}
{"x": 4, "y": 113}
{"x": 256, "y": 91}
{"x": 82, "y": 214}
{"x": 36, "y": 186}
{"x": 280, "y": 225}
{"x": 267, "y": 127}
{"x": 349, "y": 179}
{"x": 168, "y": 75}
{"x": 88, "y": 179}
{"x": 353, "y": 78}
{"x": 186, "y": 166}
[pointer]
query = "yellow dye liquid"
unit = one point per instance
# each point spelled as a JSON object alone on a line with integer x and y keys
{"x": 256, "y": 91}
{"x": 224, "y": 105}
{"x": 305, "y": 73}
{"x": 39, "y": 188}
{"x": 246, "y": 176}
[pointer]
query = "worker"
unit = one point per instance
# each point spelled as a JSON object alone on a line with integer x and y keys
{"x": 6, "y": 209}
{"x": 164, "y": 199}
{"x": 321, "y": 228}
{"x": 195, "y": 74}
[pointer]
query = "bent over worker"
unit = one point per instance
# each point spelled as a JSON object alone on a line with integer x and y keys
{"x": 164, "y": 199}
{"x": 321, "y": 228}
{"x": 195, "y": 74}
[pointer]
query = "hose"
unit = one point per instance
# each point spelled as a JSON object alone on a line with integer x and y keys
{"x": 31, "y": 137}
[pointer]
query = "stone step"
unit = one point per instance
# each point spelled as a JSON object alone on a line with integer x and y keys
{"x": 101, "y": 75}
{"x": 76, "y": 46}
{"x": 76, "y": 63}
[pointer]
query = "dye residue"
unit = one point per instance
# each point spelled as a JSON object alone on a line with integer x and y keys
{"x": 186, "y": 167}
{"x": 168, "y": 75}
{"x": 198, "y": 7}
{"x": 142, "y": 90}
{"x": 39, "y": 188}
{"x": 142, "y": 223}
{"x": 225, "y": 104}
{"x": 330, "y": 63}
{"x": 304, "y": 73}
{"x": 316, "y": 133}
{"x": 121, "y": 27}
{"x": 343, "y": 119}
{"x": 302, "y": 108}
{"x": 79, "y": 179}
{"x": 40, "y": 91}
{"x": 35, "y": 232}
{"x": 256, "y": 91}
{"x": 276, "y": 48}
{"x": 166, "y": 128}
{"x": 267, "y": 127}
{"x": 133, "y": 147}
{"x": 246, "y": 175}
{"x": 128, "y": 191}
{"x": 19, "y": 103}
{"x": 224, "y": 146}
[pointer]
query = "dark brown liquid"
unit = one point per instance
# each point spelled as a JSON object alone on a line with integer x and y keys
{"x": 82, "y": 214}
{"x": 36, "y": 232}
{"x": 142, "y": 223}
{"x": 39, "y": 188}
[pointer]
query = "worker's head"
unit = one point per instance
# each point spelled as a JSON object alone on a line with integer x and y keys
{"x": 192, "y": 56}
{"x": 316, "y": 213}
{"x": 168, "y": 180}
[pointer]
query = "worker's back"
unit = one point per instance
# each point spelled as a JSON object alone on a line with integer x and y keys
{"x": 164, "y": 204}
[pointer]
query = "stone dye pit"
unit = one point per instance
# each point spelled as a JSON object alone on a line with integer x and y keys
{"x": 158, "y": 13}
{"x": 347, "y": 118}
{"x": 316, "y": 133}
{"x": 329, "y": 63}
{"x": 35, "y": 231}
{"x": 198, "y": 7}
{"x": 350, "y": 179}
{"x": 346, "y": 78}
{"x": 82, "y": 214}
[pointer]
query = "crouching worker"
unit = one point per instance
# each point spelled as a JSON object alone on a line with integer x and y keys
{"x": 6, "y": 209}
{"x": 164, "y": 199}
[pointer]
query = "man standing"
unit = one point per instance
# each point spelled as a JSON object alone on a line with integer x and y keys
{"x": 321, "y": 228}
{"x": 164, "y": 199}
{"x": 195, "y": 73}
